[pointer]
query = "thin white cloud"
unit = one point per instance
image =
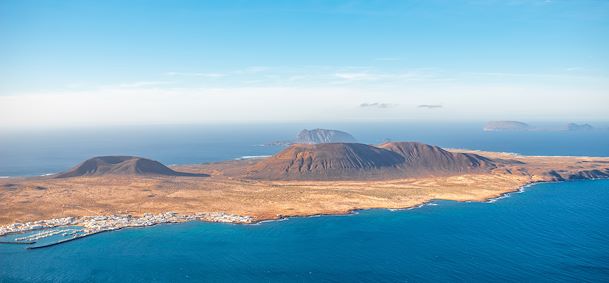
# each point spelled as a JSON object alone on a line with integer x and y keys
{"x": 323, "y": 93}
{"x": 190, "y": 74}
{"x": 377, "y": 105}
{"x": 388, "y": 59}
{"x": 312, "y": 75}
{"x": 253, "y": 70}
{"x": 172, "y": 105}
{"x": 357, "y": 76}
{"x": 297, "y": 78}
{"x": 386, "y": 76}
{"x": 554, "y": 76}
{"x": 430, "y": 106}
{"x": 258, "y": 102}
{"x": 143, "y": 84}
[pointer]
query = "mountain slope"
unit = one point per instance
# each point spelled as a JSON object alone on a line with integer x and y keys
{"x": 326, "y": 161}
{"x": 352, "y": 161}
{"x": 423, "y": 159}
{"x": 121, "y": 165}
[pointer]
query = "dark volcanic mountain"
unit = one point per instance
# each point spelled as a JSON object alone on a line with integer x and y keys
{"x": 316, "y": 136}
{"x": 350, "y": 161}
{"x": 121, "y": 165}
{"x": 326, "y": 161}
{"x": 423, "y": 159}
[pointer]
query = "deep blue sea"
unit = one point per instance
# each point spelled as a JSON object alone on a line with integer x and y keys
{"x": 552, "y": 232}
{"x": 555, "y": 232}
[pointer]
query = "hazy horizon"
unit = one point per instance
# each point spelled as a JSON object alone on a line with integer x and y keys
{"x": 536, "y": 125}
{"x": 82, "y": 63}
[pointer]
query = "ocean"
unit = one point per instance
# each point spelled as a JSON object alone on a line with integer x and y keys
{"x": 551, "y": 232}
{"x": 45, "y": 151}
{"x": 554, "y": 232}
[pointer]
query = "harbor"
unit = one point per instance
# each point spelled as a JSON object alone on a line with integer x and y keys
{"x": 71, "y": 228}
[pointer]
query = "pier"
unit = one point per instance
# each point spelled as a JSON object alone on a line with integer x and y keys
{"x": 90, "y": 225}
{"x": 16, "y": 243}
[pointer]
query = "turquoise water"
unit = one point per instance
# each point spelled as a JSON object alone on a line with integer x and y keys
{"x": 552, "y": 232}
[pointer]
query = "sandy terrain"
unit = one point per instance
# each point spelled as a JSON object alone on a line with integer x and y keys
{"x": 29, "y": 199}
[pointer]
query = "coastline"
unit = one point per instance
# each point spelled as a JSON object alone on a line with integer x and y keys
{"x": 96, "y": 224}
{"x": 491, "y": 199}
{"x": 111, "y": 202}
{"x": 213, "y": 217}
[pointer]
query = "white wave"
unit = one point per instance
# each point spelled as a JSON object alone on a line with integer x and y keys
{"x": 4, "y": 177}
{"x": 507, "y": 195}
{"x": 430, "y": 203}
{"x": 286, "y": 218}
{"x": 251, "y": 157}
{"x": 416, "y": 206}
{"x": 270, "y": 220}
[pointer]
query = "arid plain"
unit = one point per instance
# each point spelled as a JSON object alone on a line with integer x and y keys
{"x": 225, "y": 190}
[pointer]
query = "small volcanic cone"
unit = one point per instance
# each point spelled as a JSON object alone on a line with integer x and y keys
{"x": 122, "y": 165}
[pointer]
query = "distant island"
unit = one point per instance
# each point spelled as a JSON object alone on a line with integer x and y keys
{"x": 578, "y": 127}
{"x": 317, "y": 136}
{"x": 493, "y": 126}
{"x": 506, "y": 126}
{"x": 113, "y": 192}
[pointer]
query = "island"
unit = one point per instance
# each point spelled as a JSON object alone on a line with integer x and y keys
{"x": 578, "y": 127}
{"x": 113, "y": 192}
{"x": 506, "y": 126}
{"x": 317, "y": 136}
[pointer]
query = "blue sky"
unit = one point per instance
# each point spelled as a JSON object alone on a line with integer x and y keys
{"x": 198, "y": 61}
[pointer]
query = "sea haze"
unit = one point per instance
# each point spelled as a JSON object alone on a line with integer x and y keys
{"x": 553, "y": 232}
{"x": 27, "y": 152}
